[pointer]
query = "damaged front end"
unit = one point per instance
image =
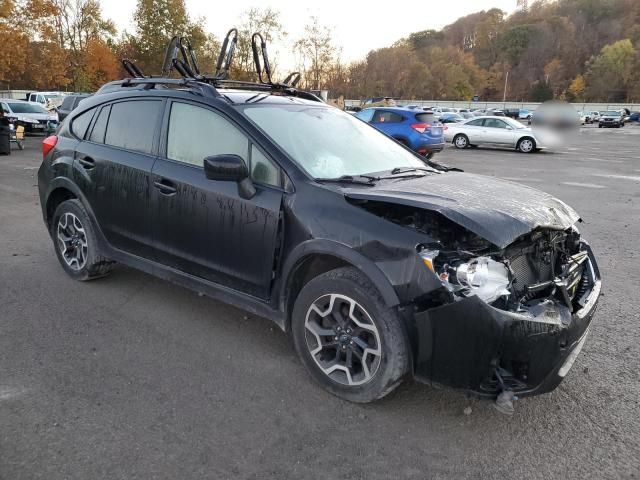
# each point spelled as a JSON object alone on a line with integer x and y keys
{"x": 514, "y": 319}
{"x": 505, "y": 319}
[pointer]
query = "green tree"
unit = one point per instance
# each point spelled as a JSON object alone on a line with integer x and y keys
{"x": 156, "y": 21}
{"x": 610, "y": 76}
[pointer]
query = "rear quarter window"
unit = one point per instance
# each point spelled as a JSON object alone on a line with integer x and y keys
{"x": 426, "y": 118}
{"x": 80, "y": 123}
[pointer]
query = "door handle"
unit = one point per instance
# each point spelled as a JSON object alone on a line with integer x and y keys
{"x": 165, "y": 187}
{"x": 87, "y": 162}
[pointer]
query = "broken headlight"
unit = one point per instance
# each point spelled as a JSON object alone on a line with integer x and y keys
{"x": 481, "y": 276}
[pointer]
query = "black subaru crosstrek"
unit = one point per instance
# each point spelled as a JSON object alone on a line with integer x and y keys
{"x": 378, "y": 264}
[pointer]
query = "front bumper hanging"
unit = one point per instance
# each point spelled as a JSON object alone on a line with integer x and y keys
{"x": 473, "y": 346}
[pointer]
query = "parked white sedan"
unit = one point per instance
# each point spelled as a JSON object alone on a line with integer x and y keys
{"x": 502, "y": 131}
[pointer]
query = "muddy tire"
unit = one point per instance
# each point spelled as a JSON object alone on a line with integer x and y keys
{"x": 349, "y": 341}
{"x": 75, "y": 243}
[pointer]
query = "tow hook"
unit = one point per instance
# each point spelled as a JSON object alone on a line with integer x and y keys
{"x": 506, "y": 397}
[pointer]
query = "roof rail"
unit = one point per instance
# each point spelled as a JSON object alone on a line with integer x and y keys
{"x": 148, "y": 83}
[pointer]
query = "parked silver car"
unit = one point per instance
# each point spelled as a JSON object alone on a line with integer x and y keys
{"x": 502, "y": 131}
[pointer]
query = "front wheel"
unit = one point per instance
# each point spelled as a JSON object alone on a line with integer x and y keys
{"x": 461, "y": 141}
{"x": 350, "y": 342}
{"x": 526, "y": 145}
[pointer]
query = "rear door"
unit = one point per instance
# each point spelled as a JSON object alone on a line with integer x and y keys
{"x": 203, "y": 227}
{"x": 388, "y": 122}
{"x": 473, "y": 130}
{"x": 113, "y": 168}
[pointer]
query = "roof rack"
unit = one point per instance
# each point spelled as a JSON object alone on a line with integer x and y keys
{"x": 208, "y": 86}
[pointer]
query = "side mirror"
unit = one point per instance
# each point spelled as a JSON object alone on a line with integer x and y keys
{"x": 509, "y": 128}
{"x": 230, "y": 168}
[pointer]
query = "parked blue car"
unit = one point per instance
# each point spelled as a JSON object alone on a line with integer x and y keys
{"x": 415, "y": 128}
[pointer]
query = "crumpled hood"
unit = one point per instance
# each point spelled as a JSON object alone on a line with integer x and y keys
{"x": 497, "y": 210}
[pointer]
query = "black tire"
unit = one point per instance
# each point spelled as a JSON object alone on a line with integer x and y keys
{"x": 429, "y": 155}
{"x": 461, "y": 141}
{"x": 599, "y": 126}
{"x": 526, "y": 145}
{"x": 95, "y": 265}
{"x": 393, "y": 362}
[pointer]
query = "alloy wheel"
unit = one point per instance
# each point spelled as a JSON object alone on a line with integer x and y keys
{"x": 343, "y": 340}
{"x": 72, "y": 240}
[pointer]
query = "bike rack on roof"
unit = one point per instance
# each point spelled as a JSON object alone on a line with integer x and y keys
{"x": 188, "y": 68}
{"x": 132, "y": 69}
{"x": 227, "y": 51}
{"x": 187, "y": 65}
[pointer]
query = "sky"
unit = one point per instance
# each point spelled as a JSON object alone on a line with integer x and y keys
{"x": 358, "y": 26}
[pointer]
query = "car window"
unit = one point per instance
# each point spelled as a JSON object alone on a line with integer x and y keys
{"x": 494, "y": 123}
{"x": 196, "y": 132}
{"x": 124, "y": 115}
{"x": 67, "y": 103}
{"x": 365, "y": 115}
{"x": 386, "y": 117}
{"x": 81, "y": 123}
{"x": 263, "y": 170}
{"x": 426, "y": 118}
{"x": 100, "y": 125}
{"x": 476, "y": 123}
{"x": 5, "y": 108}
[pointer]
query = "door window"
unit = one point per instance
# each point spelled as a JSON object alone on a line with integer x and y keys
{"x": 5, "y": 109}
{"x": 494, "y": 123}
{"x": 132, "y": 125}
{"x": 476, "y": 123}
{"x": 196, "y": 132}
{"x": 386, "y": 117}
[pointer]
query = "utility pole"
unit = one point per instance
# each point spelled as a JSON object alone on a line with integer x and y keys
{"x": 506, "y": 82}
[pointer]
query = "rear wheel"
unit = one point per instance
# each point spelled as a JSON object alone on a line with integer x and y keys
{"x": 350, "y": 342}
{"x": 461, "y": 141}
{"x": 526, "y": 145}
{"x": 75, "y": 242}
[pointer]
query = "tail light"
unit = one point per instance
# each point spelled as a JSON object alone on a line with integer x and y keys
{"x": 48, "y": 144}
{"x": 421, "y": 127}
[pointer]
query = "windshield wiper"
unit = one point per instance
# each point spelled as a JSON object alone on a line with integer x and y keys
{"x": 356, "y": 179}
{"x": 399, "y": 170}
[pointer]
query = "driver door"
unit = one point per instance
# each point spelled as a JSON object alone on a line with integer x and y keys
{"x": 204, "y": 227}
{"x": 497, "y": 131}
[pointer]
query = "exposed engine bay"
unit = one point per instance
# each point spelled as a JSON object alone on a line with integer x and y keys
{"x": 542, "y": 265}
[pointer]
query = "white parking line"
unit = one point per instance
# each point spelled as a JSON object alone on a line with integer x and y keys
{"x": 522, "y": 179}
{"x": 622, "y": 177}
{"x": 583, "y": 185}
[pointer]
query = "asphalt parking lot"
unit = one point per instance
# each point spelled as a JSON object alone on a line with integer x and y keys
{"x": 130, "y": 377}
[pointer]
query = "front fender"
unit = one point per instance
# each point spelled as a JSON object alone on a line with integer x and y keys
{"x": 329, "y": 247}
